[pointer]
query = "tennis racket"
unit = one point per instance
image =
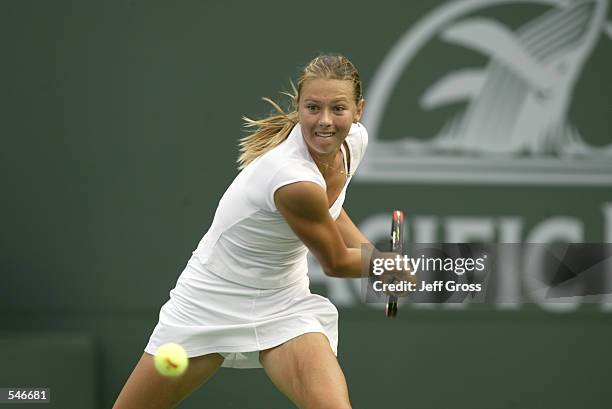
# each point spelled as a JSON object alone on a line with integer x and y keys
{"x": 397, "y": 246}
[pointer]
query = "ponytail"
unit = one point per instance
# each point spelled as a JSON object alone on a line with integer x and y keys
{"x": 269, "y": 132}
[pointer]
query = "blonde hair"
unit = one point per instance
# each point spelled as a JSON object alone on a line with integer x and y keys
{"x": 274, "y": 129}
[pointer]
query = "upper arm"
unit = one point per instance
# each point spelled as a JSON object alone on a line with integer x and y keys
{"x": 304, "y": 206}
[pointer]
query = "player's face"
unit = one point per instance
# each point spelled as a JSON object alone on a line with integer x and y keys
{"x": 326, "y": 110}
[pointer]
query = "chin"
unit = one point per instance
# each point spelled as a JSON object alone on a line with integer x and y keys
{"x": 325, "y": 147}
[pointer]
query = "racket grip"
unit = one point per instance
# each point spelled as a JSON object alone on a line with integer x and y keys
{"x": 391, "y": 308}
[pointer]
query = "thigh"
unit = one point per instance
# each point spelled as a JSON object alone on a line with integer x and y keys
{"x": 146, "y": 388}
{"x": 307, "y": 371}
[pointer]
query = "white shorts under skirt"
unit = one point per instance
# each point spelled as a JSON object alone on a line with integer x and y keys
{"x": 207, "y": 313}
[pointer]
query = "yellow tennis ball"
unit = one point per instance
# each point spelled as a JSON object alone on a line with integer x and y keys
{"x": 171, "y": 360}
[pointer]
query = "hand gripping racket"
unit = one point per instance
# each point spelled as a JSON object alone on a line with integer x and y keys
{"x": 397, "y": 246}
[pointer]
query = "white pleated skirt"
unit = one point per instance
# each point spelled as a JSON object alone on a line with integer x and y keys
{"x": 207, "y": 313}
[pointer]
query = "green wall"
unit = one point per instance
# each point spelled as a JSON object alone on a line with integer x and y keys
{"x": 119, "y": 132}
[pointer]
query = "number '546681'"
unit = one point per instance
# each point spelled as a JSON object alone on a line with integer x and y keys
{"x": 26, "y": 395}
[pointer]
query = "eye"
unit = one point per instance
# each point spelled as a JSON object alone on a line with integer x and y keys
{"x": 312, "y": 108}
{"x": 339, "y": 108}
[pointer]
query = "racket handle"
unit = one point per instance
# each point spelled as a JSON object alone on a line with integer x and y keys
{"x": 397, "y": 245}
{"x": 391, "y": 308}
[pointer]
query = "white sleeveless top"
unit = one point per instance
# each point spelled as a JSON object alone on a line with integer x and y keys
{"x": 249, "y": 241}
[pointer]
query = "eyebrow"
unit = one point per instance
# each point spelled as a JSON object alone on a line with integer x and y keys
{"x": 341, "y": 99}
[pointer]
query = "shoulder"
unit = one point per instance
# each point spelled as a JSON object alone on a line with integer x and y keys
{"x": 292, "y": 172}
{"x": 271, "y": 172}
{"x": 302, "y": 199}
{"x": 359, "y": 136}
{"x": 357, "y": 140}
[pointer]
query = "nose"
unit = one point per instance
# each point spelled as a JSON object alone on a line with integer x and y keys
{"x": 325, "y": 119}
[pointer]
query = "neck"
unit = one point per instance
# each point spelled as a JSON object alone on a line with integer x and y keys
{"x": 327, "y": 163}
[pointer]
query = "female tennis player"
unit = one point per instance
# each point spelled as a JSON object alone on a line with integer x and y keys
{"x": 243, "y": 300}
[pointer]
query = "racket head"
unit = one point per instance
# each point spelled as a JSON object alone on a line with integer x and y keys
{"x": 397, "y": 232}
{"x": 397, "y": 246}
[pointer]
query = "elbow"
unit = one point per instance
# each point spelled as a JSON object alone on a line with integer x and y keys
{"x": 335, "y": 269}
{"x": 330, "y": 271}
{"x": 339, "y": 265}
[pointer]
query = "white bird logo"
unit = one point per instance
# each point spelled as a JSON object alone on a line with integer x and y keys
{"x": 515, "y": 119}
{"x": 518, "y": 104}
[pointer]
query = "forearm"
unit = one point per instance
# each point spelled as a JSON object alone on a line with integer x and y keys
{"x": 359, "y": 251}
{"x": 351, "y": 235}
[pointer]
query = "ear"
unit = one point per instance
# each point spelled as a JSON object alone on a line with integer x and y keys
{"x": 359, "y": 111}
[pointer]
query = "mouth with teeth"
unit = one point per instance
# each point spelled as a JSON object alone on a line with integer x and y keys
{"x": 324, "y": 134}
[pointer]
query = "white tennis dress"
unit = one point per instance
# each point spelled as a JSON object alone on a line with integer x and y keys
{"x": 246, "y": 288}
